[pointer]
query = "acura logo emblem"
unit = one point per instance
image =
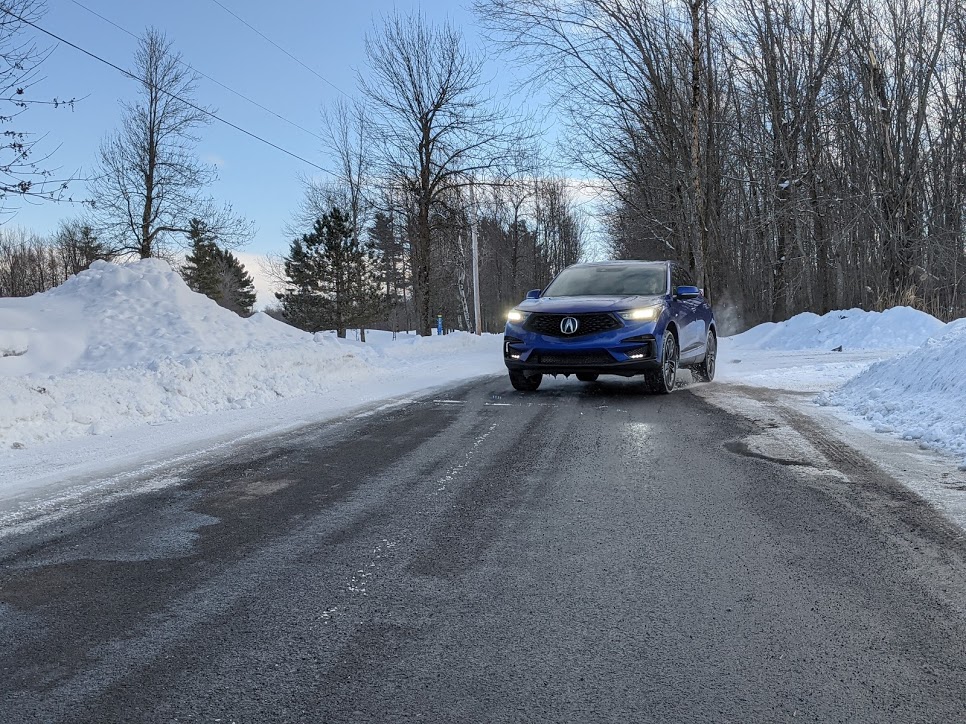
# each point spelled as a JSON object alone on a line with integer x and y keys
{"x": 568, "y": 325}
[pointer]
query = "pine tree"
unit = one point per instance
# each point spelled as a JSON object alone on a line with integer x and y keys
{"x": 366, "y": 299}
{"x": 78, "y": 247}
{"x": 236, "y": 288}
{"x": 330, "y": 276}
{"x": 392, "y": 256}
{"x": 216, "y": 272}
{"x": 200, "y": 270}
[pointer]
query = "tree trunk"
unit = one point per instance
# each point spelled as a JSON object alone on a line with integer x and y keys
{"x": 697, "y": 258}
{"x": 421, "y": 270}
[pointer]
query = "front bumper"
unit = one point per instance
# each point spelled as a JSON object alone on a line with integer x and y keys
{"x": 628, "y": 351}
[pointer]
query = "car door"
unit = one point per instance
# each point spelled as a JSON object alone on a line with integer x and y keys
{"x": 692, "y": 320}
{"x": 679, "y": 310}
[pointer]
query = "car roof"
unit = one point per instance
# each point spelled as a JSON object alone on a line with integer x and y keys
{"x": 621, "y": 262}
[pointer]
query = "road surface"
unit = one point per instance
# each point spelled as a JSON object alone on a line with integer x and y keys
{"x": 585, "y": 553}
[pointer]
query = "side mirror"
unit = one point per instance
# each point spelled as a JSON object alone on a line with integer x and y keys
{"x": 534, "y": 294}
{"x": 687, "y": 292}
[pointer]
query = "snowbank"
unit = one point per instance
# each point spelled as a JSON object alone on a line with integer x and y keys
{"x": 812, "y": 353}
{"x": 852, "y": 329}
{"x": 123, "y": 345}
{"x": 126, "y": 346}
{"x": 901, "y": 370}
{"x": 920, "y": 395}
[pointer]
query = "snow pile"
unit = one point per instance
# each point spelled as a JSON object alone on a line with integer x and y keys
{"x": 901, "y": 370}
{"x": 812, "y": 353}
{"x": 122, "y": 345}
{"x": 853, "y": 329}
{"x": 920, "y": 395}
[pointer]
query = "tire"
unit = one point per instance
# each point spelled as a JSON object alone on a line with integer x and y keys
{"x": 662, "y": 381}
{"x": 523, "y": 382}
{"x": 704, "y": 372}
{"x": 587, "y": 376}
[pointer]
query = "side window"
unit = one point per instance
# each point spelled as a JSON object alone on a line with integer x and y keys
{"x": 685, "y": 278}
{"x": 677, "y": 277}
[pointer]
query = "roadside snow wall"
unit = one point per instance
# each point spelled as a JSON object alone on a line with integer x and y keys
{"x": 123, "y": 345}
{"x": 920, "y": 395}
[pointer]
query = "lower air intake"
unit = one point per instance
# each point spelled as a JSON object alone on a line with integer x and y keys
{"x": 576, "y": 359}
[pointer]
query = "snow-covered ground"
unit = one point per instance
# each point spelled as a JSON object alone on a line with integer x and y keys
{"x": 125, "y": 360}
{"x": 919, "y": 395}
{"x": 123, "y": 367}
{"x": 899, "y": 371}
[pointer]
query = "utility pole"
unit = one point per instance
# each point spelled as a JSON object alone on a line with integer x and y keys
{"x": 476, "y": 261}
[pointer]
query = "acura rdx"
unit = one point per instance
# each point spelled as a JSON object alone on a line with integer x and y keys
{"x": 612, "y": 318}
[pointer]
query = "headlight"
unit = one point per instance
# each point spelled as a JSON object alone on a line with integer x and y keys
{"x": 515, "y": 315}
{"x": 642, "y": 315}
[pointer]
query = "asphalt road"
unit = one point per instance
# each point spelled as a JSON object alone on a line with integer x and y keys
{"x": 586, "y": 553}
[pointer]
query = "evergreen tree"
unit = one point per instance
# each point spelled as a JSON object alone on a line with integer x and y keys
{"x": 216, "y": 272}
{"x": 392, "y": 255}
{"x": 78, "y": 247}
{"x": 366, "y": 299}
{"x": 236, "y": 288}
{"x": 200, "y": 270}
{"x": 330, "y": 278}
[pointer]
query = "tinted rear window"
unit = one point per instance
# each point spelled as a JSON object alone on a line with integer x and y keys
{"x": 609, "y": 281}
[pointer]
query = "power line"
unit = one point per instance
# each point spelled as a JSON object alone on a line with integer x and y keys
{"x": 268, "y": 39}
{"x": 188, "y": 103}
{"x": 207, "y": 77}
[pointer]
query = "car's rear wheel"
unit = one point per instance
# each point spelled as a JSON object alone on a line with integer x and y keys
{"x": 704, "y": 372}
{"x": 662, "y": 381}
{"x": 525, "y": 382}
{"x": 587, "y": 376}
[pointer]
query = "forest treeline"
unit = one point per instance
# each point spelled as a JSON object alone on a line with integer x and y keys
{"x": 425, "y": 158}
{"x": 796, "y": 154}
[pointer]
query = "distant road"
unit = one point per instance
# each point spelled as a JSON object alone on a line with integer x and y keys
{"x": 585, "y": 553}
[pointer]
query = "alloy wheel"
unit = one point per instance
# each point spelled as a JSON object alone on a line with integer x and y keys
{"x": 670, "y": 363}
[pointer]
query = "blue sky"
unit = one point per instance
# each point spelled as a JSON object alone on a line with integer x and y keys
{"x": 259, "y": 182}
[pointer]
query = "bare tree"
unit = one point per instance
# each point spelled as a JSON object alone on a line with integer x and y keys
{"x": 631, "y": 79}
{"x": 803, "y": 154}
{"x": 348, "y": 140}
{"x": 30, "y": 264}
{"x": 77, "y": 247}
{"x": 22, "y": 171}
{"x": 434, "y": 126}
{"x": 151, "y": 181}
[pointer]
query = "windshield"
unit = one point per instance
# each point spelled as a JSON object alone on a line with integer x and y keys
{"x": 613, "y": 280}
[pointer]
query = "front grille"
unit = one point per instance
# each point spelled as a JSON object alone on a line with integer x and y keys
{"x": 573, "y": 359}
{"x": 549, "y": 324}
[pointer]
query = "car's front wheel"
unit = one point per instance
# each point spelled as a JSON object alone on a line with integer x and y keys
{"x": 523, "y": 382}
{"x": 662, "y": 381}
{"x": 587, "y": 376}
{"x": 704, "y": 372}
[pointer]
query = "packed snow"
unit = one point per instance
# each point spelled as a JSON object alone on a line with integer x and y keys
{"x": 812, "y": 353}
{"x": 901, "y": 370}
{"x": 920, "y": 395}
{"x": 853, "y": 329}
{"x": 124, "y": 367}
{"x": 123, "y": 345}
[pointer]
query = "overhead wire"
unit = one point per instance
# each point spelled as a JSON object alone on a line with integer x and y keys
{"x": 207, "y": 77}
{"x": 279, "y": 47}
{"x": 188, "y": 103}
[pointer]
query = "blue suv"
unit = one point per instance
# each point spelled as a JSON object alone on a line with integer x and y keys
{"x": 614, "y": 318}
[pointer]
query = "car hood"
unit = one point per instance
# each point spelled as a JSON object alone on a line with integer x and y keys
{"x": 576, "y": 305}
